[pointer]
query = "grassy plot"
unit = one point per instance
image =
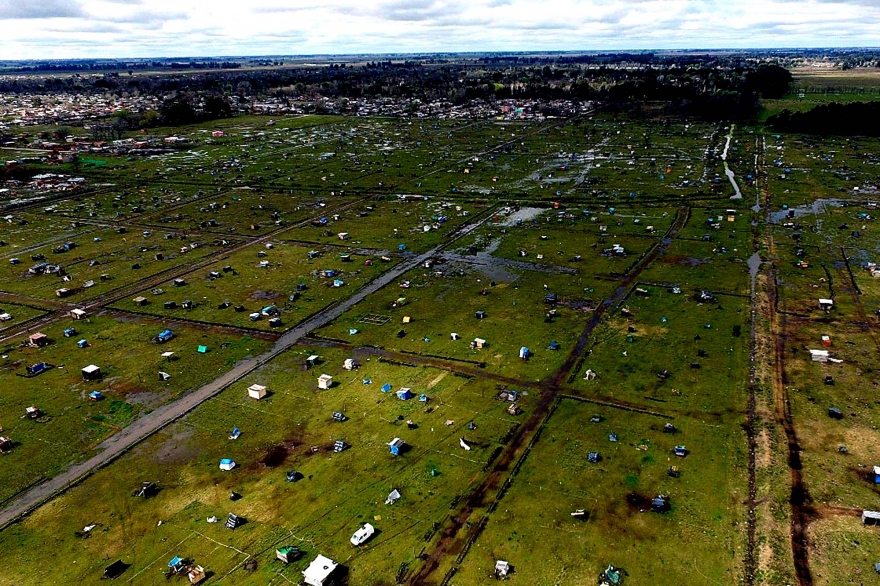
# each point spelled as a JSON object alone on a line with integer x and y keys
{"x": 128, "y": 199}
{"x": 438, "y": 305}
{"x": 843, "y": 549}
{"x": 702, "y": 346}
{"x": 242, "y": 212}
{"x": 71, "y": 424}
{"x": 533, "y": 529}
{"x": 252, "y": 287}
{"x": 336, "y": 492}
{"x": 718, "y": 265}
{"x": 20, "y": 235}
{"x": 385, "y": 225}
{"x": 17, "y": 314}
{"x": 122, "y": 258}
{"x": 572, "y": 238}
{"x": 804, "y": 168}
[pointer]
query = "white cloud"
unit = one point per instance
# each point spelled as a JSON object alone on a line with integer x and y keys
{"x": 143, "y": 28}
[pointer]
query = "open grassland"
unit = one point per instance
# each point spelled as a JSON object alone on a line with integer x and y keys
{"x": 534, "y": 523}
{"x": 70, "y": 424}
{"x": 663, "y": 320}
{"x": 290, "y": 429}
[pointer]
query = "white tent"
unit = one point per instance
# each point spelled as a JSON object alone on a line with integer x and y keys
{"x": 318, "y": 571}
{"x": 393, "y": 497}
{"x": 256, "y": 391}
{"x": 819, "y": 355}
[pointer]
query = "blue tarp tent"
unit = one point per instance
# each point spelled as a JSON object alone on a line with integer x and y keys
{"x": 386, "y": 387}
{"x": 404, "y": 394}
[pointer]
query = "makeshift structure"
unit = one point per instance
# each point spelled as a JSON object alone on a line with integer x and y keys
{"x": 395, "y": 446}
{"x": 287, "y": 554}
{"x": 91, "y": 372}
{"x": 318, "y": 572}
{"x": 392, "y": 497}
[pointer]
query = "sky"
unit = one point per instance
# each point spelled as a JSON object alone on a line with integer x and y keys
{"x": 52, "y": 29}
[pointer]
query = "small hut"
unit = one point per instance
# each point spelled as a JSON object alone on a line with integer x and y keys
{"x": 256, "y": 391}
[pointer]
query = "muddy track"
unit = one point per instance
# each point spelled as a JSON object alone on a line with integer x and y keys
{"x": 802, "y": 510}
{"x": 497, "y": 479}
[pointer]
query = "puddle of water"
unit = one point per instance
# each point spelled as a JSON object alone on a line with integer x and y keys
{"x": 817, "y": 207}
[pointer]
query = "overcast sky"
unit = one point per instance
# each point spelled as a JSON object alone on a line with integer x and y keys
{"x": 32, "y": 29}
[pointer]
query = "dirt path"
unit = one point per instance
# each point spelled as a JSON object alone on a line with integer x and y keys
{"x": 800, "y": 501}
{"x": 149, "y": 424}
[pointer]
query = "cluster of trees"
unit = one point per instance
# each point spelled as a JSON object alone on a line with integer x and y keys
{"x": 853, "y": 119}
{"x": 177, "y": 110}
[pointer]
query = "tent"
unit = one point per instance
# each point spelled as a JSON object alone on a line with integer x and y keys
{"x": 233, "y": 521}
{"x": 196, "y": 574}
{"x": 386, "y": 387}
{"x": 176, "y": 564}
{"x": 40, "y": 339}
{"x": 287, "y": 554}
{"x": 395, "y": 445}
{"x": 325, "y": 381}
{"x": 96, "y": 395}
{"x": 91, "y": 372}
{"x": 404, "y": 394}
{"x": 392, "y": 497}
{"x": 203, "y": 349}
{"x": 256, "y": 391}
{"x": 319, "y": 571}
{"x": 227, "y": 464}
